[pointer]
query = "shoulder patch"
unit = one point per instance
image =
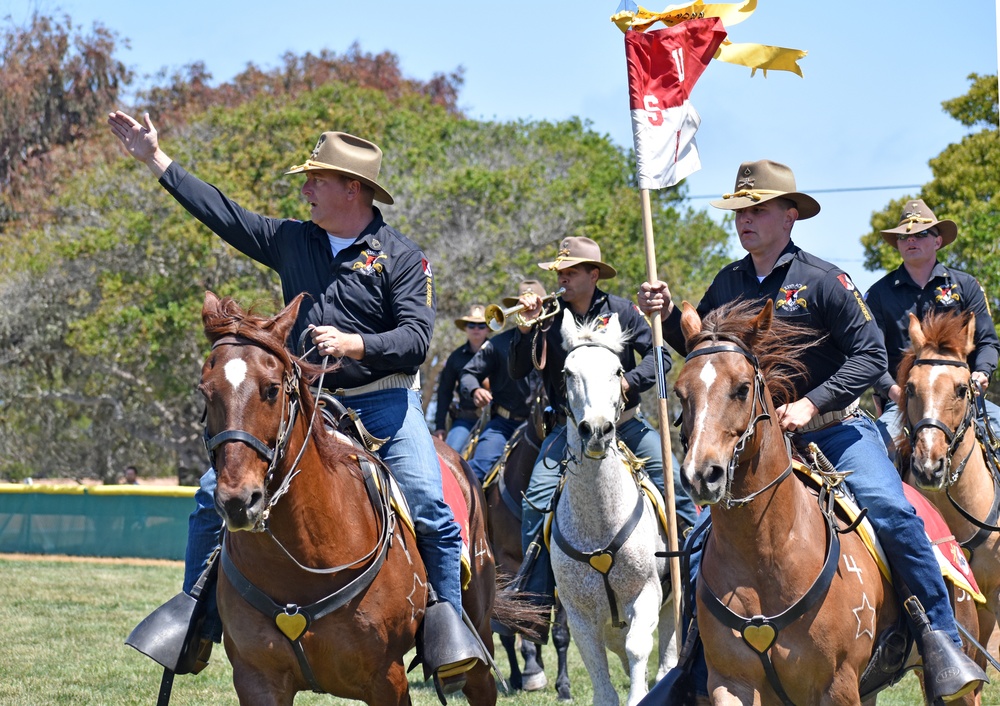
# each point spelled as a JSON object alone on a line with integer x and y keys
{"x": 846, "y": 281}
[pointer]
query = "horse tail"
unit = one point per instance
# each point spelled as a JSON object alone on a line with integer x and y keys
{"x": 526, "y": 613}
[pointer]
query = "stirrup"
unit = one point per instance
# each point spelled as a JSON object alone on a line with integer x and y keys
{"x": 949, "y": 674}
{"x": 449, "y": 648}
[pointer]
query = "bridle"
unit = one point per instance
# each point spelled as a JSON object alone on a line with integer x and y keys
{"x": 954, "y": 438}
{"x": 272, "y": 454}
{"x": 755, "y": 418}
{"x": 620, "y": 373}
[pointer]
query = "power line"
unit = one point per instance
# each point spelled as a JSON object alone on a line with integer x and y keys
{"x": 834, "y": 191}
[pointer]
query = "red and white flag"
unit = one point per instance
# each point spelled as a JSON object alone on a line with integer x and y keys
{"x": 663, "y": 66}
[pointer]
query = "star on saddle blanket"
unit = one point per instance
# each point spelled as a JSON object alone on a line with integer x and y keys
{"x": 455, "y": 499}
{"x": 951, "y": 560}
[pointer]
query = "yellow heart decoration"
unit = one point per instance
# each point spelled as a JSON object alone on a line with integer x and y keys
{"x": 602, "y": 562}
{"x": 759, "y": 637}
{"x": 292, "y": 625}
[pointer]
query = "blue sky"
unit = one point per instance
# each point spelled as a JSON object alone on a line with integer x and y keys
{"x": 866, "y": 114}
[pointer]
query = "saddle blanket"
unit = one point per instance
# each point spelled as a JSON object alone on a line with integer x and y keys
{"x": 952, "y": 562}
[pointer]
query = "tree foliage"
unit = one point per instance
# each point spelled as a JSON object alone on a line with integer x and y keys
{"x": 100, "y": 329}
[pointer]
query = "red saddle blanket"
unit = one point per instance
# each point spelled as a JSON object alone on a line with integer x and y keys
{"x": 943, "y": 541}
{"x": 455, "y": 499}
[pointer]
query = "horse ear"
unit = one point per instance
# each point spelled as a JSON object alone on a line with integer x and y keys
{"x": 970, "y": 333}
{"x": 568, "y": 329}
{"x": 690, "y": 321}
{"x": 210, "y": 307}
{"x": 917, "y": 338}
{"x": 765, "y": 317}
{"x": 282, "y": 324}
{"x": 614, "y": 327}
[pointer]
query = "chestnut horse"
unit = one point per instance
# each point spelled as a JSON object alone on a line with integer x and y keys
{"x": 766, "y": 620}
{"x": 504, "y": 488}
{"x": 941, "y": 455}
{"x": 322, "y": 587}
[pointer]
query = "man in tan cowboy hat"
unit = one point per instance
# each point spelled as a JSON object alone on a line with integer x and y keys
{"x": 509, "y": 400}
{"x": 848, "y": 357}
{"x": 463, "y": 412}
{"x": 579, "y": 267}
{"x": 919, "y": 285}
{"x": 372, "y": 307}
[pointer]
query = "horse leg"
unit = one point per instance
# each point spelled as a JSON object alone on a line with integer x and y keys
{"x": 560, "y": 639}
{"x": 509, "y": 643}
{"x": 590, "y": 643}
{"x": 480, "y": 686}
{"x": 393, "y": 688}
{"x": 533, "y": 678}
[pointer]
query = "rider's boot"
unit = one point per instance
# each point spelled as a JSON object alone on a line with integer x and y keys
{"x": 450, "y": 649}
{"x": 949, "y": 674}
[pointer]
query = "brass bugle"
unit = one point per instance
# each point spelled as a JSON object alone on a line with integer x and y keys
{"x": 496, "y": 316}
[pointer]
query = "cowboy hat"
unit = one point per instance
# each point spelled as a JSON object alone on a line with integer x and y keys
{"x": 350, "y": 155}
{"x": 475, "y": 316}
{"x": 576, "y": 250}
{"x": 917, "y": 218}
{"x": 757, "y": 182}
{"x": 528, "y": 285}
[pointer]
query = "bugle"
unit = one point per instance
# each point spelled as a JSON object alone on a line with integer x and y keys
{"x": 496, "y": 316}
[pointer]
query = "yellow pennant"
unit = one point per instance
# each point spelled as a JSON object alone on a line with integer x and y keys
{"x": 753, "y": 56}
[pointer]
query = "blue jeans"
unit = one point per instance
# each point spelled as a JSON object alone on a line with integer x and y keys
{"x": 459, "y": 433}
{"x": 204, "y": 527}
{"x": 492, "y": 441}
{"x": 856, "y": 445}
{"x": 410, "y": 453}
{"x": 643, "y": 440}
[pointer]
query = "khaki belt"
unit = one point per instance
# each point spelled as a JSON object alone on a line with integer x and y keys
{"x": 506, "y": 414}
{"x": 389, "y": 382}
{"x": 824, "y": 420}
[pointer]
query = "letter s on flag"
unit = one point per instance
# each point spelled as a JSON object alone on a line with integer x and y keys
{"x": 663, "y": 66}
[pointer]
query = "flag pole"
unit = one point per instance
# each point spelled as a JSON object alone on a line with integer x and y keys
{"x": 661, "y": 386}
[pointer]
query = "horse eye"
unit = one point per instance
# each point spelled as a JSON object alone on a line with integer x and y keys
{"x": 742, "y": 392}
{"x": 271, "y": 394}
{"x": 911, "y": 391}
{"x": 961, "y": 390}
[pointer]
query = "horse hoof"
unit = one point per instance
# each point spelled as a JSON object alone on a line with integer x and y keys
{"x": 534, "y": 682}
{"x": 563, "y": 694}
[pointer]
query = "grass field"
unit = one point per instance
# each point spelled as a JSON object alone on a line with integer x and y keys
{"x": 65, "y": 622}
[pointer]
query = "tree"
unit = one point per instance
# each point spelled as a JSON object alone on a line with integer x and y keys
{"x": 55, "y": 83}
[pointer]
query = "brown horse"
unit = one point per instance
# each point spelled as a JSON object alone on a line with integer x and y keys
{"x": 321, "y": 585}
{"x": 786, "y": 602}
{"x": 504, "y": 488}
{"x": 941, "y": 455}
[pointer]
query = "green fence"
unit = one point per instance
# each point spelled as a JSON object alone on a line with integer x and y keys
{"x": 113, "y": 520}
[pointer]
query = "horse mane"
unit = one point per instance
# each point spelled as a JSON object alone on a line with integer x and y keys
{"x": 593, "y": 331}
{"x": 232, "y": 320}
{"x": 777, "y": 349}
{"x": 944, "y": 332}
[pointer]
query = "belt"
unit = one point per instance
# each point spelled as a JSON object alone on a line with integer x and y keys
{"x": 389, "y": 382}
{"x": 506, "y": 414}
{"x": 824, "y": 420}
{"x": 464, "y": 413}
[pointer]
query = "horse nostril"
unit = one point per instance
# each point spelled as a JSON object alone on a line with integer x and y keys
{"x": 715, "y": 474}
{"x": 608, "y": 428}
{"x": 256, "y": 498}
{"x": 584, "y": 429}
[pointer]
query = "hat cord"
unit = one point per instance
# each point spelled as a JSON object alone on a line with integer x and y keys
{"x": 911, "y": 221}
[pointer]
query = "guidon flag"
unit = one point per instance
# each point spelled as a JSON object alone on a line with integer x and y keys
{"x": 663, "y": 66}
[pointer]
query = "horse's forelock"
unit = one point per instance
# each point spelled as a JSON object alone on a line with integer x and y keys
{"x": 231, "y": 320}
{"x": 777, "y": 349}
{"x": 594, "y": 331}
{"x": 944, "y": 334}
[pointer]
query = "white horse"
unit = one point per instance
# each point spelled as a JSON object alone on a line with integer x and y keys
{"x": 605, "y": 531}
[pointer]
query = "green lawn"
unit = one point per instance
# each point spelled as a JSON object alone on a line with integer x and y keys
{"x": 65, "y": 623}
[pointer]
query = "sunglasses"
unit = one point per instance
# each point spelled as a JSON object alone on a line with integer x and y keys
{"x": 475, "y": 326}
{"x": 900, "y": 237}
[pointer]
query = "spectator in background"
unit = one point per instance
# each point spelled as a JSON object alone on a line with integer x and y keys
{"x": 463, "y": 411}
{"x": 131, "y": 475}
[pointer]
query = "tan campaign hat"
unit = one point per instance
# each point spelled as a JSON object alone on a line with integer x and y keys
{"x": 757, "y": 182}
{"x": 348, "y": 155}
{"x": 917, "y": 218}
{"x": 528, "y": 285}
{"x": 577, "y": 250}
{"x": 475, "y": 316}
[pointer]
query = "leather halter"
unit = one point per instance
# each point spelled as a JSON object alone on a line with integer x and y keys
{"x": 984, "y": 527}
{"x": 758, "y": 392}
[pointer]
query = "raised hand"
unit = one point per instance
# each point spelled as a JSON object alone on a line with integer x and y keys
{"x": 140, "y": 141}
